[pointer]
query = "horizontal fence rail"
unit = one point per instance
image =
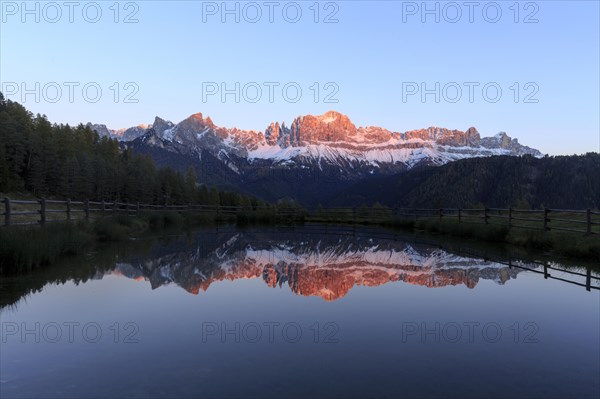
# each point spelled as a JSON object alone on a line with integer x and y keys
{"x": 585, "y": 221}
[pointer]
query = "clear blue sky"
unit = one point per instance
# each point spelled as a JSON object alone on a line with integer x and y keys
{"x": 367, "y": 54}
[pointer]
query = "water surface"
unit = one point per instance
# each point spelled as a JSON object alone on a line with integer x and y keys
{"x": 301, "y": 311}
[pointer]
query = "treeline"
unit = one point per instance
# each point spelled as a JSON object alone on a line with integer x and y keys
{"x": 498, "y": 181}
{"x": 61, "y": 161}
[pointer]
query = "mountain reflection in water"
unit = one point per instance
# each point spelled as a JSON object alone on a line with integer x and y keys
{"x": 312, "y": 261}
{"x": 312, "y": 265}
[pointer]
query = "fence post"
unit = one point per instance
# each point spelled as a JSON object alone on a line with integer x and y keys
{"x": 114, "y": 207}
{"x": 441, "y": 213}
{"x": 7, "y": 211}
{"x": 485, "y": 215}
{"x": 43, "y": 211}
{"x": 87, "y": 209}
{"x": 546, "y": 218}
{"x": 68, "y": 209}
{"x": 588, "y": 216}
{"x": 509, "y": 218}
{"x": 459, "y": 216}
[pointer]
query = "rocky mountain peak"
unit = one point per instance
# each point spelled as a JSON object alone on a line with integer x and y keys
{"x": 472, "y": 137}
{"x": 160, "y": 125}
{"x": 332, "y": 126}
{"x": 100, "y": 129}
{"x": 504, "y": 140}
{"x": 332, "y": 116}
{"x": 197, "y": 120}
{"x": 272, "y": 133}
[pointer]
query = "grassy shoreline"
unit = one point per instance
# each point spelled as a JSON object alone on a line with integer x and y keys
{"x": 26, "y": 248}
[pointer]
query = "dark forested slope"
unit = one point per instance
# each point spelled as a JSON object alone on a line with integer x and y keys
{"x": 500, "y": 181}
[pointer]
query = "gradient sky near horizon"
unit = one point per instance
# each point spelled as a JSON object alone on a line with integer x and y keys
{"x": 373, "y": 54}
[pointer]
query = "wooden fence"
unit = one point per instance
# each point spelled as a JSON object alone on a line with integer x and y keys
{"x": 587, "y": 221}
{"x": 70, "y": 209}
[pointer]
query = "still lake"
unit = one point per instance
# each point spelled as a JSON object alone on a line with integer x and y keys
{"x": 309, "y": 311}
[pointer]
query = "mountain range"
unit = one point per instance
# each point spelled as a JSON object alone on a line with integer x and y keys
{"x": 313, "y": 157}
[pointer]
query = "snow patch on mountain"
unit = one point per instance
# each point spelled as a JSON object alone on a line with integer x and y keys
{"x": 168, "y": 134}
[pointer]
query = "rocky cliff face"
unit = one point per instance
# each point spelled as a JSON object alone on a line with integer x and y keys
{"x": 442, "y": 136}
{"x": 331, "y": 127}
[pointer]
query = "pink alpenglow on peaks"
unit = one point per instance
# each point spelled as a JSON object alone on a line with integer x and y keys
{"x": 330, "y": 138}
